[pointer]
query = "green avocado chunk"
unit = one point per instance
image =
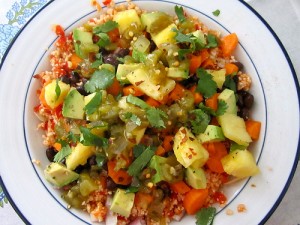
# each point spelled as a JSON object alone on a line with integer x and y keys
{"x": 83, "y": 43}
{"x": 155, "y": 21}
{"x": 58, "y": 175}
{"x": 195, "y": 178}
{"x": 122, "y": 202}
{"x": 211, "y": 134}
{"x": 228, "y": 96}
{"x": 73, "y": 106}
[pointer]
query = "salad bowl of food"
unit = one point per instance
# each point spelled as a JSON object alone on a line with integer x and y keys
{"x": 147, "y": 112}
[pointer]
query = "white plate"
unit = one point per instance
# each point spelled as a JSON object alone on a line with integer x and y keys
{"x": 274, "y": 85}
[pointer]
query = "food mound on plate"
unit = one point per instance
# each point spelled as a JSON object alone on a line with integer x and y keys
{"x": 146, "y": 116}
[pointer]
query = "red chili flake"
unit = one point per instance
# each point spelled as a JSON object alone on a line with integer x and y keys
{"x": 219, "y": 197}
{"x": 106, "y": 2}
{"x": 139, "y": 82}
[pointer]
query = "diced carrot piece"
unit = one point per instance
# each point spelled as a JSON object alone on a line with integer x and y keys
{"x": 180, "y": 187}
{"x": 217, "y": 150}
{"x": 194, "y": 200}
{"x": 195, "y": 62}
{"x": 208, "y": 64}
{"x": 253, "y": 128}
{"x": 132, "y": 90}
{"x": 143, "y": 200}
{"x": 120, "y": 176}
{"x": 160, "y": 151}
{"x": 197, "y": 96}
{"x": 57, "y": 146}
{"x": 214, "y": 121}
{"x": 204, "y": 54}
{"x": 115, "y": 89}
{"x": 212, "y": 102}
{"x": 152, "y": 102}
{"x": 168, "y": 143}
{"x": 114, "y": 35}
{"x": 231, "y": 68}
{"x": 228, "y": 44}
{"x": 177, "y": 93}
{"x": 75, "y": 60}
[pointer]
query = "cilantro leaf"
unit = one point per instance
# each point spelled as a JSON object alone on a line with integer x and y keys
{"x": 216, "y": 12}
{"x": 73, "y": 138}
{"x": 134, "y": 118}
{"x": 100, "y": 159}
{"x": 94, "y": 104}
{"x": 137, "y": 101}
{"x": 138, "y": 150}
{"x": 155, "y": 117}
{"x": 206, "y": 85}
{"x": 57, "y": 89}
{"x": 180, "y": 14}
{"x": 229, "y": 83}
{"x": 212, "y": 41}
{"x": 63, "y": 153}
{"x": 106, "y": 27}
{"x": 100, "y": 80}
{"x": 222, "y": 106}
{"x": 182, "y": 53}
{"x": 104, "y": 39}
{"x": 183, "y": 38}
{"x": 200, "y": 122}
{"x": 138, "y": 165}
{"x": 87, "y": 138}
{"x": 132, "y": 189}
{"x": 205, "y": 216}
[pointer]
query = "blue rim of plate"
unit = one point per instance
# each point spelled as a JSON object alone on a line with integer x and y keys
{"x": 279, "y": 199}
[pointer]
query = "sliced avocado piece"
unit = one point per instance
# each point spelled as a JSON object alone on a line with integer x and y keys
{"x": 212, "y": 133}
{"x": 73, "y": 106}
{"x": 234, "y": 146}
{"x": 218, "y": 76}
{"x": 86, "y": 184}
{"x": 167, "y": 35}
{"x": 58, "y": 175}
{"x": 52, "y": 99}
{"x": 124, "y": 69}
{"x": 79, "y": 156}
{"x": 155, "y": 21}
{"x": 228, "y": 96}
{"x": 122, "y": 202}
{"x": 83, "y": 43}
{"x": 195, "y": 178}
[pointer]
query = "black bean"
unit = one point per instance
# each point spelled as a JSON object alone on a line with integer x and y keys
{"x": 111, "y": 59}
{"x": 96, "y": 38}
{"x": 74, "y": 77}
{"x": 79, "y": 169}
{"x": 244, "y": 113}
{"x": 66, "y": 79}
{"x": 111, "y": 185}
{"x": 121, "y": 52}
{"x": 152, "y": 46}
{"x": 239, "y": 65}
{"x": 50, "y": 153}
{"x": 240, "y": 101}
{"x": 81, "y": 90}
{"x": 248, "y": 100}
{"x": 92, "y": 161}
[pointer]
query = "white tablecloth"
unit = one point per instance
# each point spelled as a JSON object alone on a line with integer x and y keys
{"x": 282, "y": 15}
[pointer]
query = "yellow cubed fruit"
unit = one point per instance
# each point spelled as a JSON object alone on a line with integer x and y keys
{"x": 53, "y": 97}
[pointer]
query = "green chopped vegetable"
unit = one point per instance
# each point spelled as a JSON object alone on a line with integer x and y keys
{"x": 200, "y": 122}
{"x": 100, "y": 80}
{"x": 206, "y": 85}
{"x": 206, "y": 216}
{"x": 87, "y": 138}
{"x": 134, "y": 118}
{"x": 216, "y": 12}
{"x": 57, "y": 89}
{"x": 63, "y": 153}
{"x": 106, "y": 27}
{"x": 94, "y": 104}
{"x": 180, "y": 14}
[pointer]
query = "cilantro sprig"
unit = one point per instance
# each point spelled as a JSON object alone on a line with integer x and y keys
{"x": 155, "y": 116}
{"x": 63, "y": 153}
{"x": 206, "y": 85}
{"x": 222, "y": 107}
{"x": 100, "y": 80}
{"x": 140, "y": 162}
{"x": 200, "y": 121}
{"x": 87, "y": 138}
{"x": 205, "y": 216}
{"x": 216, "y": 12}
{"x": 94, "y": 104}
{"x": 105, "y": 27}
{"x": 180, "y": 13}
{"x": 134, "y": 118}
{"x": 57, "y": 89}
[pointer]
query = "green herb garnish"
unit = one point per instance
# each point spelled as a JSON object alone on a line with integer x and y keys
{"x": 106, "y": 27}
{"x": 134, "y": 118}
{"x": 205, "y": 216}
{"x": 93, "y": 104}
{"x": 216, "y": 12}
{"x": 57, "y": 89}
{"x": 100, "y": 80}
{"x": 87, "y": 138}
{"x": 206, "y": 85}
{"x": 180, "y": 14}
{"x": 200, "y": 122}
{"x": 63, "y": 153}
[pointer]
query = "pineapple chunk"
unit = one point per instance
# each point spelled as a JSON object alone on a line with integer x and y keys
{"x": 234, "y": 128}
{"x": 240, "y": 163}
{"x": 218, "y": 76}
{"x": 167, "y": 35}
{"x": 52, "y": 99}
{"x": 126, "y": 19}
{"x": 188, "y": 150}
{"x": 141, "y": 79}
{"x": 79, "y": 156}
